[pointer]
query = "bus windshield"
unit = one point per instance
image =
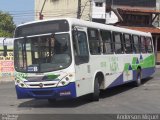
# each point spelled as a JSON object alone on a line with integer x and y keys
{"x": 42, "y": 53}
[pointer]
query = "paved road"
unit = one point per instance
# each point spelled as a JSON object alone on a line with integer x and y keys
{"x": 123, "y": 99}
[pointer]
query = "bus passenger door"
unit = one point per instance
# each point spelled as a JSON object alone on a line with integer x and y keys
{"x": 81, "y": 56}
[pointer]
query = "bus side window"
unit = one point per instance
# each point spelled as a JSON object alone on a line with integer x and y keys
{"x": 94, "y": 42}
{"x": 143, "y": 44}
{"x": 148, "y": 45}
{"x": 107, "y": 42}
{"x": 136, "y": 45}
{"x": 118, "y": 43}
{"x": 127, "y": 43}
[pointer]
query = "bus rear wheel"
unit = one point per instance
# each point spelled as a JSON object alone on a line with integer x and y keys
{"x": 95, "y": 94}
{"x": 138, "y": 77}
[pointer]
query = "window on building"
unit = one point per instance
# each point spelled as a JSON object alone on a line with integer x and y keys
{"x": 137, "y": 3}
{"x": 127, "y": 43}
{"x": 118, "y": 43}
{"x": 94, "y": 41}
{"x": 136, "y": 45}
{"x": 107, "y": 42}
{"x": 98, "y": 4}
{"x": 136, "y": 20}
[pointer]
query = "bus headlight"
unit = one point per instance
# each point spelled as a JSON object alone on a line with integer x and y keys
{"x": 20, "y": 83}
{"x": 64, "y": 81}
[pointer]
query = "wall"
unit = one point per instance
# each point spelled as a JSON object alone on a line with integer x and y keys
{"x": 98, "y": 11}
{"x": 150, "y": 4}
{"x": 6, "y": 63}
{"x": 61, "y": 8}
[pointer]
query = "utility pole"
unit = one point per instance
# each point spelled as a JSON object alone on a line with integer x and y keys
{"x": 40, "y": 13}
{"x": 79, "y": 9}
{"x": 90, "y": 10}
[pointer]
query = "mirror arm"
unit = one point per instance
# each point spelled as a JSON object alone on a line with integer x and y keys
{"x": 4, "y": 48}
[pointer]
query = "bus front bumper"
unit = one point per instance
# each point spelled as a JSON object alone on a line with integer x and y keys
{"x": 68, "y": 91}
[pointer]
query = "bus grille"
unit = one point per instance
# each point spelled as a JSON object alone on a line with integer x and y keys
{"x": 47, "y": 84}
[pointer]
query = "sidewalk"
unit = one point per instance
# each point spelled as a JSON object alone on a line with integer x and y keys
{"x": 6, "y": 79}
{"x": 158, "y": 66}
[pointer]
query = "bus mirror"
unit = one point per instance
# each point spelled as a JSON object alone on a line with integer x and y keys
{"x": 5, "y": 50}
{"x": 52, "y": 35}
{"x": 75, "y": 32}
{"x": 75, "y": 40}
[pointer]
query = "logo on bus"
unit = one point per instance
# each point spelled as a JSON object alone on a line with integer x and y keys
{"x": 41, "y": 85}
{"x": 114, "y": 64}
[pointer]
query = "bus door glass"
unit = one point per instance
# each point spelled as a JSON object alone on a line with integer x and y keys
{"x": 80, "y": 46}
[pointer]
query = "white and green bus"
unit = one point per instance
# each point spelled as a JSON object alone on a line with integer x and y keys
{"x": 68, "y": 58}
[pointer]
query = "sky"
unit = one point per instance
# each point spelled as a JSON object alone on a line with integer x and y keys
{"x": 21, "y": 10}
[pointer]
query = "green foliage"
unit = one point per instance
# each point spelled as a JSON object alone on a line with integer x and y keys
{"x": 7, "y": 25}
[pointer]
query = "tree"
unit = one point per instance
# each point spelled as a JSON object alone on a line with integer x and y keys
{"x": 7, "y": 25}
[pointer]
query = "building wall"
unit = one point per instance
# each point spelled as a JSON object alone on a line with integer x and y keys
{"x": 61, "y": 8}
{"x": 150, "y": 4}
{"x": 6, "y": 63}
{"x": 98, "y": 11}
{"x": 157, "y": 21}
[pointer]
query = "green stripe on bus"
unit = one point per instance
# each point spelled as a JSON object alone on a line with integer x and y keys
{"x": 145, "y": 63}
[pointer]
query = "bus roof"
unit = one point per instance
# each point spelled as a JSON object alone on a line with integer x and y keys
{"x": 83, "y": 23}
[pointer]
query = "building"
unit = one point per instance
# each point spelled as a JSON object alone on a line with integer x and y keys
{"x": 62, "y": 8}
{"x": 98, "y": 11}
{"x": 139, "y": 4}
{"x": 105, "y": 11}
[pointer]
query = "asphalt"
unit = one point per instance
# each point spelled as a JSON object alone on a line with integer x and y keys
{"x": 124, "y": 99}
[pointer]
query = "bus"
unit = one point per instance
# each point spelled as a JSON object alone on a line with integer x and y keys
{"x": 67, "y": 58}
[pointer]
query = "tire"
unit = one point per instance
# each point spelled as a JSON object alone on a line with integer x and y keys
{"x": 138, "y": 78}
{"x": 95, "y": 94}
{"x": 51, "y": 101}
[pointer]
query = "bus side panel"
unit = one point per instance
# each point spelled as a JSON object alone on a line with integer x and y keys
{"x": 146, "y": 62}
{"x": 147, "y": 72}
